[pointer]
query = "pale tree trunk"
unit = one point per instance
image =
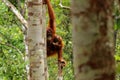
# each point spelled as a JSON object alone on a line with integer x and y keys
{"x": 36, "y": 40}
{"x": 93, "y": 45}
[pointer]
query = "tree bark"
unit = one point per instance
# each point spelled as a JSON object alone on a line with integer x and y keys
{"x": 36, "y": 40}
{"x": 93, "y": 44}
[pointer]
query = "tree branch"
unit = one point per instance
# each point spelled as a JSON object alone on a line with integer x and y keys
{"x": 10, "y": 45}
{"x": 17, "y": 13}
{"x": 64, "y": 7}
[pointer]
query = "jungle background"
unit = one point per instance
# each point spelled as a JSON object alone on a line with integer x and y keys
{"x": 12, "y": 48}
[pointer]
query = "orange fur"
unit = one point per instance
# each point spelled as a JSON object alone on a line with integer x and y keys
{"x": 54, "y": 42}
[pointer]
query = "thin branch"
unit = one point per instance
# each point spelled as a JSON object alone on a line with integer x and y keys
{"x": 117, "y": 17}
{"x": 60, "y": 72}
{"x": 17, "y": 13}
{"x": 64, "y": 7}
{"x": 10, "y": 45}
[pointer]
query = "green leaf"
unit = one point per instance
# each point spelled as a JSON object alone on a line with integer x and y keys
{"x": 117, "y": 58}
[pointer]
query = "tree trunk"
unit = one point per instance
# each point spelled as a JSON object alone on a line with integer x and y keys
{"x": 93, "y": 45}
{"x": 36, "y": 40}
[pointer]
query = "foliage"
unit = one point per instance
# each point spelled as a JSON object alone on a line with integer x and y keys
{"x": 12, "y": 66}
{"x": 117, "y": 38}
